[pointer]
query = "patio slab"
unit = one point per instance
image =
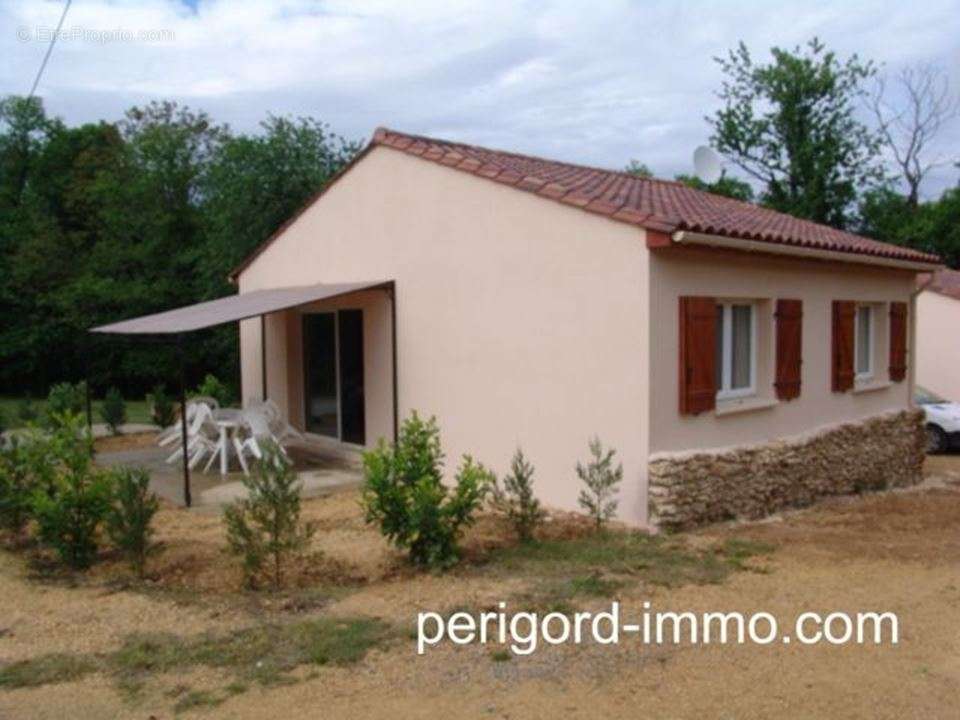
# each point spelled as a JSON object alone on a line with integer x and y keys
{"x": 319, "y": 474}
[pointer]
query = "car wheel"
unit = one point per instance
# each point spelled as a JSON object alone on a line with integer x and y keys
{"x": 936, "y": 440}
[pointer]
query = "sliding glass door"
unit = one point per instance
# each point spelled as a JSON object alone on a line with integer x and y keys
{"x": 333, "y": 375}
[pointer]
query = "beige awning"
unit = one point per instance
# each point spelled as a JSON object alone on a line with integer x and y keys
{"x": 232, "y": 308}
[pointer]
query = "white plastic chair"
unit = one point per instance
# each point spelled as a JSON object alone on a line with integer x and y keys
{"x": 257, "y": 425}
{"x": 279, "y": 427}
{"x": 202, "y": 437}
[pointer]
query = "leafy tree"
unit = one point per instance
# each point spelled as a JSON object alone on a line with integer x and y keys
{"x": 932, "y": 226}
{"x": 517, "y": 500}
{"x": 129, "y": 519}
{"x": 791, "y": 124}
{"x": 266, "y": 526}
{"x": 601, "y": 480}
{"x": 726, "y": 186}
{"x": 405, "y": 495}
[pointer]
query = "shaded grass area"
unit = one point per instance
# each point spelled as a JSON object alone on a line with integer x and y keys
{"x": 669, "y": 561}
{"x": 265, "y": 654}
{"x": 137, "y": 411}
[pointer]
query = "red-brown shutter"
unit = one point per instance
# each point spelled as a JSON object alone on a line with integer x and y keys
{"x": 698, "y": 341}
{"x": 898, "y": 341}
{"x": 843, "y": 318}
{"x": 789, "y": 348}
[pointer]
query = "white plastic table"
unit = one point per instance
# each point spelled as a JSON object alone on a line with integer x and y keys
{"x": 227, "y": 420}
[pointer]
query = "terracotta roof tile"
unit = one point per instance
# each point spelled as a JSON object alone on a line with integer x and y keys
{"x": 660, "y": 205}
{"x": 945, "y": 282}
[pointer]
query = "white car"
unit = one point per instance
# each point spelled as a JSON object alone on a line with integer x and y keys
{"x": 942, "y": 418}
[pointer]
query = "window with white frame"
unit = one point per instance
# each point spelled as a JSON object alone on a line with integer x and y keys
{"x": 736, "y": 357}
{"x": 863, "y": 342}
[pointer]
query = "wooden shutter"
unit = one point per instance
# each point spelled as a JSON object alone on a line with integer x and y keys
{"x": 789, "y": 348}
{"x": 898, "y": 341}
{"x": 843, "y": 319}
{"x": 698, "y": 348}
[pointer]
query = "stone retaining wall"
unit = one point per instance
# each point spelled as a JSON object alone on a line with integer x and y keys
{"x": 696, "y": 488}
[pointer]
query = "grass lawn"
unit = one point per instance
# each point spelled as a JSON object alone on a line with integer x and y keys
{"x": 137, "y": 411}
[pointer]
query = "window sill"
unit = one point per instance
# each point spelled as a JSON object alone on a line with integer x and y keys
{"x": 742, "y": 405}
{"x": 871, "y": 386}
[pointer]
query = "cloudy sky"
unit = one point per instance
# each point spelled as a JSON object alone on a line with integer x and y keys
{"x": 596, "y": 82}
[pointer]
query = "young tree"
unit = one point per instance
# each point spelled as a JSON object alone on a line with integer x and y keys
{"x": 516, "y": 499}
{"x": 791, "y": 124}
{"x": 131, "y": 514}
{"x": 114, "y": 410}
{"x": 16, "y": 487}
{"x": 266, "y": 526}
{"x": 405, "y": 495}
{"x": 70, "y": 511}
{"x": 601, "y": 480}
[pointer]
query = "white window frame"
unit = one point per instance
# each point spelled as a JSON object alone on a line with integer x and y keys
{"x": 725, "y": 392}
{"x": 871, "y": 344}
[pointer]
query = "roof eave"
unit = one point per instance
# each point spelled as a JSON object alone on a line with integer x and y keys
{"x": 687, "y": 237}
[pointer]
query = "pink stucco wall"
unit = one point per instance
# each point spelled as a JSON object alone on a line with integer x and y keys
{"x": 728, "y": 274}
{"x": 520, "y": 321}
{"x": 938, "y": 344}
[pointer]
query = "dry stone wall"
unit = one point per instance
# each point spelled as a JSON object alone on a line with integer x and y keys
{"x": 692, "y": 489}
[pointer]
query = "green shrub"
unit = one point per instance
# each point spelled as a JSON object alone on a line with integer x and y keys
{"x": 16, "y": 488}
{"x": 114, "y": 410}
{"x": 404, "y": 493}
{"x": 213, "y": 387}
{"x": 600, "y": 479}
{"x": 162, "y": 410}
{"x": 130, "y": 515}
{"x": 26, "y": 410}
{"x": 265, "y": 527}
{"x": 66, "y": 398}
{"x": 517, "y": 500}
{"x": 69, "y": 512}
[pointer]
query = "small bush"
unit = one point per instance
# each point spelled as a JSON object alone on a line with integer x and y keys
{"x": 600, "y": 479}
{"x": 114, "y": 410}
{"x": 16, "y": 488}
{"x": 131, "y": 514}
{"x": 27, "y": 410}
{"x": 162, "y": 410}
{"x": 404, "y": 493}
{"x": 517, "y": 500}
{"x": 70, "y": 510}
{"x": 65, "y": 398}
{"x": 266, "y": 527}
{"x": 213, "y": 387}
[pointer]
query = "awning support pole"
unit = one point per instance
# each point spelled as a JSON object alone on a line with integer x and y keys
{"x": 263, "y": 356}
{"x": 183, "y": 423}
{"x": 86, "y": 385}
{"x": 392, "y": 294}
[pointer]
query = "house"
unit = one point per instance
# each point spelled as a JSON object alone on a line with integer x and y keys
{"x": 938, "y": 333}
{"x": 739, "y": 360}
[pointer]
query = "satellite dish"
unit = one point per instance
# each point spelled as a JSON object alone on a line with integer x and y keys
{"x": 707, "y": 165}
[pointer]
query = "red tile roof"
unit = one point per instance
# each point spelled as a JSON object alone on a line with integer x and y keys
{"x": 660, "y": 205}
{"x": 945, "y": 282}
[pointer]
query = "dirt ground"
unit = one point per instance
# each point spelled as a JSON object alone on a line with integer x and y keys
{"x": 896, "y": 552}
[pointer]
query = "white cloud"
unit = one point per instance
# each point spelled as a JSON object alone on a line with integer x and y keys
{"x": 598, "y": 83}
